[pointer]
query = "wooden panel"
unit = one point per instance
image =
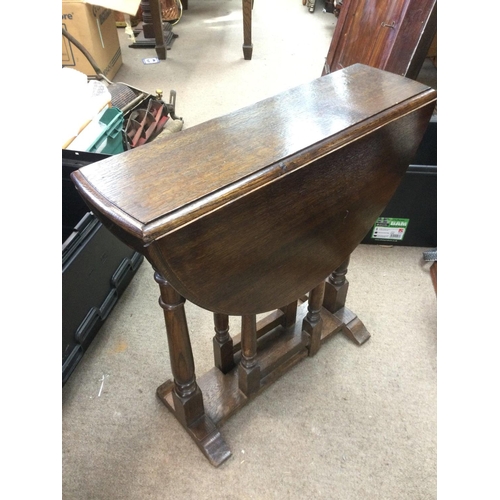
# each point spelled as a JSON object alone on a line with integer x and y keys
{"x": 415, "y": 36}
{"x": 393, "y": 35}
{"x": 361, "y": 21}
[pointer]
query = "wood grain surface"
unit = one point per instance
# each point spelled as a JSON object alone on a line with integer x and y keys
{"x": 247, "y": 212}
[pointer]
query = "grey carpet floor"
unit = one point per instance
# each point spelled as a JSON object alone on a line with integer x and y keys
{"x": 354, "y": 422}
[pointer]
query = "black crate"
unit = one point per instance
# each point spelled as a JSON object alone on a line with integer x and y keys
{"x": 96, "y": 268}
{"x": 410, "y": 218}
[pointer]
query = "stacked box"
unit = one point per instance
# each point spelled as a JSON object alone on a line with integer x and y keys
{"x": 95, "y": 28}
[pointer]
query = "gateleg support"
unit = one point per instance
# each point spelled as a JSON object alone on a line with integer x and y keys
{"x": 249, "y": 369}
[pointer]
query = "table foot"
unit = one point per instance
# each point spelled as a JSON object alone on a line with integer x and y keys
{"x": 356, "y": 331}
{"x": 247, "y": 52}
{"x": 336, "y": 286}
{"x": 352, "y": 327}
{"x": 203, "y": 431}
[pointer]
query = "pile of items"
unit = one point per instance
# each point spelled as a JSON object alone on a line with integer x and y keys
{"x": 110, "y": 119}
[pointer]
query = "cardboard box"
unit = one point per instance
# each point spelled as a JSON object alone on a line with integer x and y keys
{"x": 95, "y": 28}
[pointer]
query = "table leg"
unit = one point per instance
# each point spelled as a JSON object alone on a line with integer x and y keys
{"x": 247, "y": 29}
{"x": 183, "y": 397}
{"x": 336, "y": 289}
{"x": 313, "y": 322}
{"x": 223, "y": 343}
{"x": 188, "y": 400}
{"x": 249, "y": 369}
{"x": 157, "y": 21}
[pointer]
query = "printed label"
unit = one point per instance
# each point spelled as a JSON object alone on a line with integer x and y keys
{"x": 390, "y": 229}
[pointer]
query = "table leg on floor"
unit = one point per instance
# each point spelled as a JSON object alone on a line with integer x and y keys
{"x": 187, "y": 396}
{"x": 183, "y": 397}
{"x": 247, "y": 29}
{"x": 160, "y": 47}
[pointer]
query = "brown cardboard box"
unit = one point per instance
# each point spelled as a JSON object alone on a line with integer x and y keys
{"x": 94, "y": 27}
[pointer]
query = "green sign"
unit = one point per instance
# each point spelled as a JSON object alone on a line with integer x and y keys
{"x": 390, "y": 229}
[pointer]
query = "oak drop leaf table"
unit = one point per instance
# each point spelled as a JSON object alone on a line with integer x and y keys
{"x": 258, "y": 212}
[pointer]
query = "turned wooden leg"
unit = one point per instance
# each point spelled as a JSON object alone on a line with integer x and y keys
{"x": 336, "y": 290}
{"x": 187, "y": 396}
{"x": 313, "y": 323}
{"x": 223, "y": 343}
{"x": 248, "y": 369}
{"x": 247, "y": 29}
{"x": 183, "y": 397}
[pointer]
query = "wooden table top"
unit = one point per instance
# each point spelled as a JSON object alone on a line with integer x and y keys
{"x": 161, "y": 186}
